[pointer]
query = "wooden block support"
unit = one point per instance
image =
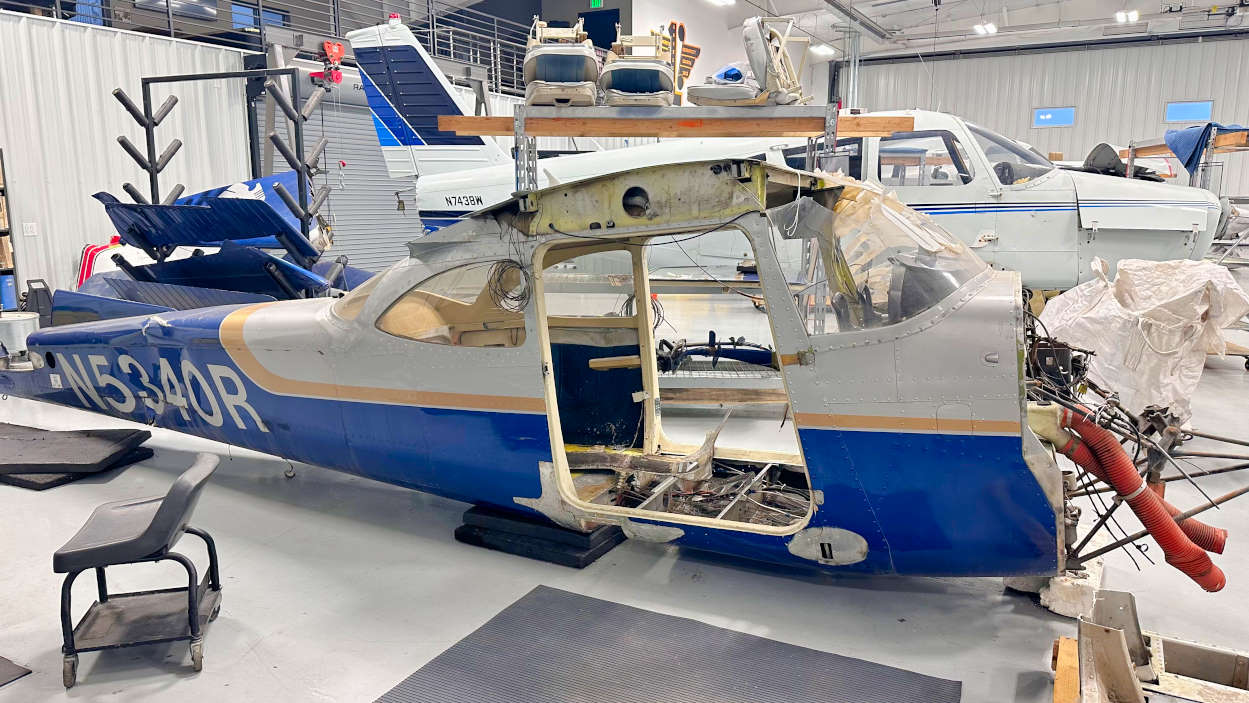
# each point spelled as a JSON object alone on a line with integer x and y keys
{"x": 1228, "y": 141}
{"x": 605, "y": 363}
{"x": 1066, "y": 666}
{"x": 847, "y": 126}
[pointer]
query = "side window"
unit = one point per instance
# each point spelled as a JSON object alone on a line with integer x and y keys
{"x": 349, "y": 306}
{"x": 847, "y": 158}
{"x": 932, "y": 158}
{"x": 467, "y": 306}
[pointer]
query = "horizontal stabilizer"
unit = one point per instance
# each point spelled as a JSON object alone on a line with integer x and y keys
{"x": 177, "y": 297}
{"x": 69, "y": 307}
{"x": 237, "y": 268}
{"x": 209, "y": 222}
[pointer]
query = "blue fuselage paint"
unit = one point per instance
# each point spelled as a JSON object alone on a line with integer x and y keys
{"x": 927, "y": 504}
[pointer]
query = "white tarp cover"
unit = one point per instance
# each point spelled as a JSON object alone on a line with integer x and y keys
{"x": 1150, "y": 328}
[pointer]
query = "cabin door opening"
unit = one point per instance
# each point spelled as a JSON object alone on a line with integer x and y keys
{"x": 654, "y": 410}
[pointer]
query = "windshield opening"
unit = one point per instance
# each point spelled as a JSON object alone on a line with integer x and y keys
{"x": 1013, "y": 164}
{"x": 870, "y": 261}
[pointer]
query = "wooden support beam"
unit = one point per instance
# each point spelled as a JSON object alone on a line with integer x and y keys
{"x": 1065, "y": 662}
{"x": 847, "y": 126}
{"x": 1223, "y": 143}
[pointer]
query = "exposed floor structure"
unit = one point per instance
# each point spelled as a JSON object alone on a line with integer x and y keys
{"x": 336, "y": 587}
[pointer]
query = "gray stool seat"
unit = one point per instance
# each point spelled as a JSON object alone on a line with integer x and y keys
{"x": 130, "y": 532}
{"x": 114, "y": 534}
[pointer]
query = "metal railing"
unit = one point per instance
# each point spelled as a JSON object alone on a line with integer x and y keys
{"x": 444, "y": 29}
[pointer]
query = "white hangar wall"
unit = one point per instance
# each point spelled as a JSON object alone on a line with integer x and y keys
{"x": 1119, "y": 92}
{"x": 59, "y": 125}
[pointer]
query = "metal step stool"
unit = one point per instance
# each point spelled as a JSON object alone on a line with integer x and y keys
{"x": 131, "y": 532}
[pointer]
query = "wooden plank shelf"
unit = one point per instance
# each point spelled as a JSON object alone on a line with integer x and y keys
{"x": 1223, "y": 143}
{"x": 799, "y": 121}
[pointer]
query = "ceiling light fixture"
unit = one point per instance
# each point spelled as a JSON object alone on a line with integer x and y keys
{"x": 985, "y": 28}
{"x": 1127, "y": 16}
{"x": 980, "y": 29}
{"x": 722, "y": 3}
{"x": 823, "y": 50}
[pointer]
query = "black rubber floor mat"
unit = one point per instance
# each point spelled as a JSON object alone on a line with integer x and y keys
{"x": 553, "y": 645}
{"x": 10, "y": 672}
{"x": 29, "y": 450}
{"x": 42, "y": 482}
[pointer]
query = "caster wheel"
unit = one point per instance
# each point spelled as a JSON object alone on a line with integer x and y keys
{"x": 1247, "y": 364}
{"x": 216, "y": 611}
{"x": 69, "y": 671}
{"x": 289, "y": 473}
{"x": 197, "y": 655}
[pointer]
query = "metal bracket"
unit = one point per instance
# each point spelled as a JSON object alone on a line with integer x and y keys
{"x": 526, "y": 154}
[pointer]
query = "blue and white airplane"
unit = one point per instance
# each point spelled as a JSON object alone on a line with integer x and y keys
{"x": 464, "y": 371}
{"x": 1016, "y": 208}
{"x": 458, "y": 372}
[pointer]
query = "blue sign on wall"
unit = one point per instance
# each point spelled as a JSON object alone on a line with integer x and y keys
{"x": 1053, "y": 117}
{"x": 1190, "y": 111}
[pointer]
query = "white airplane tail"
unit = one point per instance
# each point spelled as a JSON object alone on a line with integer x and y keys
{"x": 406, "y": 92}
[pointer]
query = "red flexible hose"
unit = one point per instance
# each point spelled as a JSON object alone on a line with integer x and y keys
{"x": 1101, "y": 454}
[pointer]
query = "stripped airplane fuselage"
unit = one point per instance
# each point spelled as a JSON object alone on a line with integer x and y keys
{"x": 911, "y": 434}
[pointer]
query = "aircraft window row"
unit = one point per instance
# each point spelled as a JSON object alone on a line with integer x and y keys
{"x": 460, "y": 307}
{"x": 1013, "y": 164}
{"x": 846, "y": 158}
{"x": 871, "y": 261}
{"x": 929, "y": 158}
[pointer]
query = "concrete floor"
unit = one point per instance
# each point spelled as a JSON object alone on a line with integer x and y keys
{"x": 337, "y": 587}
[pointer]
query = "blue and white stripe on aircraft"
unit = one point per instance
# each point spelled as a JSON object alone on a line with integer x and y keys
{"x": 1059, "y": 206}
{"x": 407, "y": 96}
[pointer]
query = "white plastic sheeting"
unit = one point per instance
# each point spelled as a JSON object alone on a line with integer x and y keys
{"x": 59, "y": 126}
{"x": 1119, "y": 93}
{"x": 1150, "y": 328}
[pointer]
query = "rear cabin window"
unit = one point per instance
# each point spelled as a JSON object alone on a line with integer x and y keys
{"x": 933, "y": 158}
{"x": 461, "y": 307}
{"x": 846, "y": 158}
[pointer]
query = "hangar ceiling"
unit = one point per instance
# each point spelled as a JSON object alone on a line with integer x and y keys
{"x": 909, "y": 26}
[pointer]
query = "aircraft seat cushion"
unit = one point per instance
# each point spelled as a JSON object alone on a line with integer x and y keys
{"x": 758, "y": 50}
{"x": 712, "y": 91}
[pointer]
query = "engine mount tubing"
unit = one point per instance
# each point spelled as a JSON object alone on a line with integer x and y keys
{"x": 1168, "y": 479}
{"x": 1182, "y": 516}
{"x": 1100, "y": 452}
{"x": 1210, "y": 538}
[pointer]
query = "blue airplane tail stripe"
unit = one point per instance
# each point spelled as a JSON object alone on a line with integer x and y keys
{"x": 407, "y": 97}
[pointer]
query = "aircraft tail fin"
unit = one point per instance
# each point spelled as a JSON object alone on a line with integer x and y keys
{"x": 406, "y": 92}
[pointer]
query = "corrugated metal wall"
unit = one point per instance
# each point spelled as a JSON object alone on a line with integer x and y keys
{"x": 369, "y": 229}
{"x": 1118, "y": 92}
{"x": 59, "y": 125}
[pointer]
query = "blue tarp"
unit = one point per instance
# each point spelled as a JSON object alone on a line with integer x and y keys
{"x": 1189, "y": 144}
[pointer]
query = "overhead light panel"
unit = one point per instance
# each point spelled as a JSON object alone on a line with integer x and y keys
{"x": 722, "y": 3}
{"x": 823, "y": 50}
{"x": 986, "y": 28}
{"x": 1127, "y": 16}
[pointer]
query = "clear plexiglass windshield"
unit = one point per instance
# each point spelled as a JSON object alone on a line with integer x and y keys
{"x": 1013, "y": 163}
{"x": 870, "y": 261}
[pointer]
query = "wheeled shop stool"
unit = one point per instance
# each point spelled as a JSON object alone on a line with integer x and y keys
{"x": 131, "y": 532}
